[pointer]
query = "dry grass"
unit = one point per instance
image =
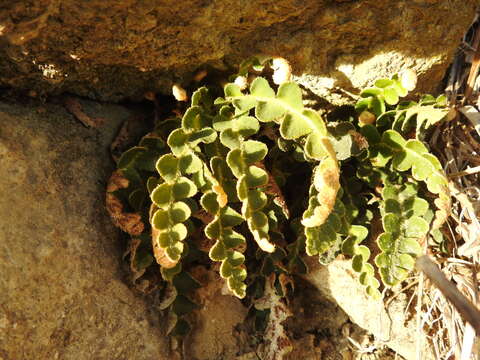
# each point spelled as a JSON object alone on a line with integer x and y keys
{"x": 457, "y": 145}
{"x": 459, "y": 151}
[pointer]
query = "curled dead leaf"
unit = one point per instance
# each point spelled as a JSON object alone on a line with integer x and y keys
{"x": 221, "y": 195}
{"x": 131, "y": 223}
{"x": 159, "y": 252}
{"x": 408, "y": 78}
{"x": 282, "y": 71}
{"x": 241, "y": 82}
{"x": 326, "y": 181}
{"x": 114, "y": 205}
{"x": 179, "y": 93}
{"x": 117, "y": 181}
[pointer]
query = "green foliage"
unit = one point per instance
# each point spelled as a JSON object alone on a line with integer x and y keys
{"x": 172, "y": 212}
{"x": 404, "y": 226}
{"x": 228, "y": 245}
{"x": 424, "y": 114}
{"x": 399, "y": 165}
{"x": 262, "y": 180}
{"x": 178, "y": 303}
{"x": 360, "y": 255}
{"x": 285, "y": 108}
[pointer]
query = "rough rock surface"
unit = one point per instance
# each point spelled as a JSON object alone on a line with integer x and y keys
{"x": 391, "y": 325}
{"x": 214, "y": 335}
{"x": 61, "y": 289}
{"x": 109, "y": 49}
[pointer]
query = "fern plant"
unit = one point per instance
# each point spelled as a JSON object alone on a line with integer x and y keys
{"x": 253, "y": 180}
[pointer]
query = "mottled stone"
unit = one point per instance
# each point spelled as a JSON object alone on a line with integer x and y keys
{"x": 61, "y": 290}
{"x": 390, "y": 324}
{"x": 110, "y": 49}
{"x": 214, "y": 335}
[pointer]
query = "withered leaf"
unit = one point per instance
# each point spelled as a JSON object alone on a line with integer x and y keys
{"x": 131, "y": 223}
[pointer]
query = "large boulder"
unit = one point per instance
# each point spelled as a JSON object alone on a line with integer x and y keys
{"x": 109, "y": 49}
{"x": 62, "y": 295}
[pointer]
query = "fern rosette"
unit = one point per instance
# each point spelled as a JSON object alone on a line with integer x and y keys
{"x": 217, "y": 186}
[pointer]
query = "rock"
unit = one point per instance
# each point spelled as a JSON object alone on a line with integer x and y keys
{"x": 61, "y": 289}
{"x": 112, "y": 50}
{"x": 214, "y": 335}
{"x": 316, "y": 321}
{"x": 392, "y": 326}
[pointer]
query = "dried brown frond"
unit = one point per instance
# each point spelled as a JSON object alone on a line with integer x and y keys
{"x": 131, "y": 223}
